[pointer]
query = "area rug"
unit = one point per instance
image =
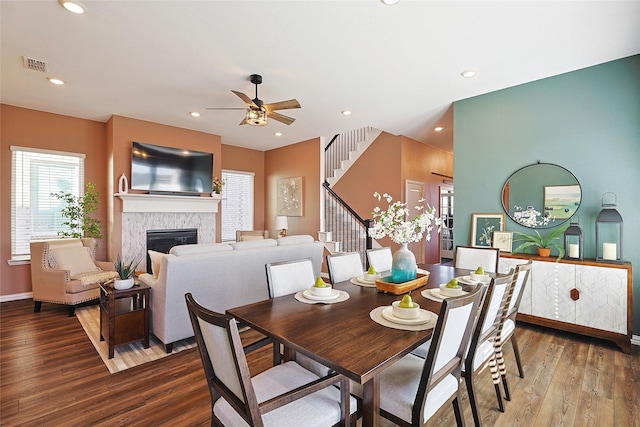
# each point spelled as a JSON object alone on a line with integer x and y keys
{"x": 125, "y": 355}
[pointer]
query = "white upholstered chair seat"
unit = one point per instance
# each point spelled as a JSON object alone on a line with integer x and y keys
{"x": 399, "y": 386}
{"x": 318, "y": 409}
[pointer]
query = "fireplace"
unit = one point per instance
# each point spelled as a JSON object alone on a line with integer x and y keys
{"x": 163, "y": 240}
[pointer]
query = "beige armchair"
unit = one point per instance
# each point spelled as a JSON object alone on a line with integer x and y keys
{"x": 64, "y": 271}
{"x": 244, "y": 235}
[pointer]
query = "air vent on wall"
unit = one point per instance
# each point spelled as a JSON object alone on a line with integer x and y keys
{"x": 34, "y": 64}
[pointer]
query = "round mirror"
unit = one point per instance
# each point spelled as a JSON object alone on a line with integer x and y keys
{"x": 541, "y": 195}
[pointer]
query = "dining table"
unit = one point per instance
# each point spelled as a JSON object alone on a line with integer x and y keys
{"x": 342, "y": 335}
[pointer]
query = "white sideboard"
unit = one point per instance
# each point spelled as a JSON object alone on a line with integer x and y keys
{"x": 585, "y": 297}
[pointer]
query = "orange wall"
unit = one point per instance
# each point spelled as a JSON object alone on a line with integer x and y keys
{"x": 419, "y": 163}
{"x": 384, "y": 167}
{"x": 247, "y": 160}
{"x": 301, "y": 159}
{"x": 123, "y": 131}
{"x": 37, "y": 129}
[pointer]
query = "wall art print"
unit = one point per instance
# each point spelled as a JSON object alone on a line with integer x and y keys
{"x": 290, "y": 196}
{"x": 482, "y": 227}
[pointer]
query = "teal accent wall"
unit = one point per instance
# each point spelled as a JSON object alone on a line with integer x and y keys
{"x": 587, "y": 121}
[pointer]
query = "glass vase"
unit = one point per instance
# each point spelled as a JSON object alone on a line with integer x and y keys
{"x": 403, "y": 266}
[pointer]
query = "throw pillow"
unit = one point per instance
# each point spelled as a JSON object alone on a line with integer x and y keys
{"x": 77, "y": 260}
{"x": 156, "y": 259}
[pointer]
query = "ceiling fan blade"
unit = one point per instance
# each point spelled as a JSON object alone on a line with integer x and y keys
{"x": 280, "y": 117}
{"x": 282, "y": 105}
{"x": 245, "y": 98}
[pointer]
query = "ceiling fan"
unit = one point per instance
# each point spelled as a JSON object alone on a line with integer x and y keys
{"x": 258, "y": 111}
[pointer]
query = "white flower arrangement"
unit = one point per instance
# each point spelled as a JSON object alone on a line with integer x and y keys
{"x": 392, "y": 222}
{"x": 529, "y": 217}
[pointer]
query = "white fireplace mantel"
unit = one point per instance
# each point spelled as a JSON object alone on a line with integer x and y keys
{"x": 167, "y": 203}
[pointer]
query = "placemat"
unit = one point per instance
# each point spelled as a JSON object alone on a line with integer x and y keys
{"x": 343, "y": 297}
{"x": 376, "y": 316}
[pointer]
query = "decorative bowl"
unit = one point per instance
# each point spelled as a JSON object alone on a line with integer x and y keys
{"x": 403, "y": 312}
{"x": 123, "y": 284}
{"x": 479, "y": 277}
{"x": 321, "y": 292}
{"x": 451, "y": 292}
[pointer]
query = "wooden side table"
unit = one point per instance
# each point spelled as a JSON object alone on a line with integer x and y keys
{"x": 124, "y": 315}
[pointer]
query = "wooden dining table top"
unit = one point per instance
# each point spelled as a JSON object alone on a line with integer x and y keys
{"x": 342, "y": 335}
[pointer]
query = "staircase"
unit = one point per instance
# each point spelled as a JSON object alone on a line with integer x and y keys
{"x": 343, "y": 151}
{"x": 344, "y": 229}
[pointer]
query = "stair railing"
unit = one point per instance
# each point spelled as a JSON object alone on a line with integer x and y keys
{"x": 346, "y": 226}
{"x": 338, "y": 149}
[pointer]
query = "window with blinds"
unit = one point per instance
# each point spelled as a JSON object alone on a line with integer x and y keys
{"x": 237, "y": 203}
{"x": 35, "y": 174}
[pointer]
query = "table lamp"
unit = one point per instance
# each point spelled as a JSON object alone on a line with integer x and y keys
{"x": 281, "y": 224}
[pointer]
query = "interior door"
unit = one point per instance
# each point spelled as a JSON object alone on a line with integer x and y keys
{"x": 414, "y": 193}
{"x": 446, "y": 213}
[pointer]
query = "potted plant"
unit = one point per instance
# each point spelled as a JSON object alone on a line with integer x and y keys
{"x": 125, "y": 272}
{"x": 217, "y": 187}
{"x": 77, "y": 213}
{"x": 544, "y": 244}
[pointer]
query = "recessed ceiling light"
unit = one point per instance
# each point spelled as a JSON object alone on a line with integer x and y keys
{"x": 389, "y": 2}
{"x": 346, "y": 113}
{"x": 73, "y": 6}
{"x": 277, "y": 133}
{"x": 438, "y": 128}
{"x": 467, "y": 74}
{"x": 194, "y": 114}
{"x": 55, "y": 81}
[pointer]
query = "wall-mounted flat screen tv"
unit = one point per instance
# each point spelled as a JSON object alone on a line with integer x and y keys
{"x": 159, "y": 169}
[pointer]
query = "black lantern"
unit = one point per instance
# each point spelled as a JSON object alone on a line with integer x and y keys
{"x": 609, "y": 233}
{"x": 573, "y": 240}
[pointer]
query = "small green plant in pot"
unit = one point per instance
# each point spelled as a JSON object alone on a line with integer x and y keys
{"x": 125, "y": 272}
{"x": 540, "y": 242}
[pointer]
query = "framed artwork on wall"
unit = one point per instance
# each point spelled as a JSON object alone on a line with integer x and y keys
{"x": 289, "y": 195}
{"x": 503, "y": 240}
{"x": 482, "y": 227}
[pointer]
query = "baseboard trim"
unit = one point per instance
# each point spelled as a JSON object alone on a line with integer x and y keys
{"x": 635, "y": 340}
{"x": 16, "y": 297}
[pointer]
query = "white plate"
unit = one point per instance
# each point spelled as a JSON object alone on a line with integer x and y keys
{"x": 423, "y": 317}
{"x": 334, "y": 294}
{"x": 360, "y": 282}
{"x": 469, "y": 281}
{"x": 436, "y": 293}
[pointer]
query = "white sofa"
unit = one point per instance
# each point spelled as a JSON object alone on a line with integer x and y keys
{"x": 220, "y": 276}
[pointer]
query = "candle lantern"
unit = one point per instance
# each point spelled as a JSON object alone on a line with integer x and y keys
{"x": 573, "y": 240}
{"x": 609, "y": 232}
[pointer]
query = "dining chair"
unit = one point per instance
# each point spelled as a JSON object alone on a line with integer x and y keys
{"x": 485, "y": 348}
{"x": 508, "y": 326}
{"x": 344, "y": 266}
{"x": 285, "y": 278}
{"x": 414, "y": 388}
{"x": 380, "y": 258}
{"x": 283, "y": 395}
{"x": 471, "y": 257}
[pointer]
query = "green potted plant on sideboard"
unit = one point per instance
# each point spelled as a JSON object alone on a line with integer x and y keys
{"x": 544, "y": 244}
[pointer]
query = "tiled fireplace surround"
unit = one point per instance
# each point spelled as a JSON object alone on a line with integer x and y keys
{"x": 142, "y": 212}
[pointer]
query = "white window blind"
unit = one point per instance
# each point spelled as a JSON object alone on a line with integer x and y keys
{"x": 35, "y": 174}
{"x": 237, "y": 203}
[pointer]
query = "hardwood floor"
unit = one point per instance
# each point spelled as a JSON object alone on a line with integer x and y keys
{"x": 50, "y": 374}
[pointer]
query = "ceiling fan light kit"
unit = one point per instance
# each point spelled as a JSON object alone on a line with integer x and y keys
{"x": 256, "y": 117}
{"x": 258, "y": 111}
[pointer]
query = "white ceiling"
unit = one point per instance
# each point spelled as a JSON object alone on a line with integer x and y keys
{"x": 397, "y": 68}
